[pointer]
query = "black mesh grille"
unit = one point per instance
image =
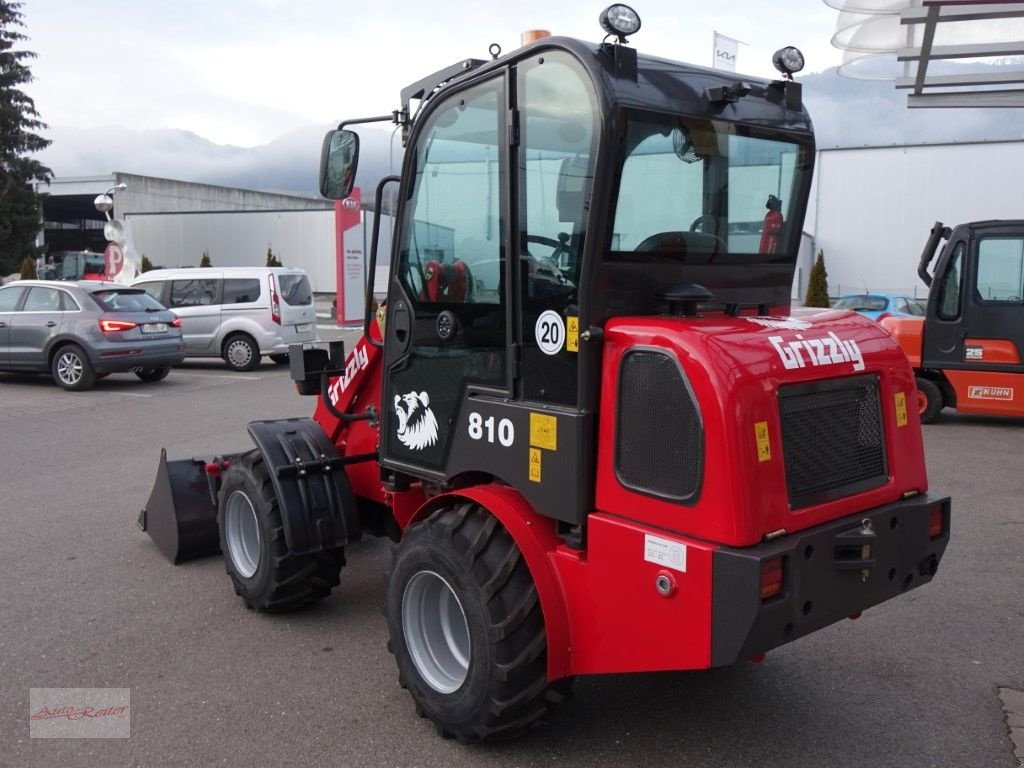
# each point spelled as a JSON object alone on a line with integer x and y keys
{"x": 660, "y": 443}
{"x": 832, "y": 439}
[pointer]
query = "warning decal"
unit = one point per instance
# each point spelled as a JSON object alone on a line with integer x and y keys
{"x": 901, "y": 409}
{"x": 535, "y": 465}
{"x": 544, "y": 431}
{"x": 764, "y": 448}
{"x": 665, "y": 552}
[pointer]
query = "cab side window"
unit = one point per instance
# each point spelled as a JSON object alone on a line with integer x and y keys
{"x": 1001, "y": 269}
{"x": 949, "y": 291}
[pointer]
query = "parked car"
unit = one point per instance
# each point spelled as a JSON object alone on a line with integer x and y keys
{"x": 879, "y": 305}
{"x": 80, "y": 331}
{"x": 237, "y": 313}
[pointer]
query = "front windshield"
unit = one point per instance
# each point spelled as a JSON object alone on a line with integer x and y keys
{"x": 695, "y": 190}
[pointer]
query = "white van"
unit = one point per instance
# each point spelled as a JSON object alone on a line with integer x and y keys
{"x": 237, "y": 313}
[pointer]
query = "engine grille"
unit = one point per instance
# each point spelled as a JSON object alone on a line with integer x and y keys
{"x": 832, "y": 439}
{"x": 659, "y": 447}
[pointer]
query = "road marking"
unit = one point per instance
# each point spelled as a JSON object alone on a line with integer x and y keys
{"x": 127, "y": 394}
{"x": 241, "y": 376}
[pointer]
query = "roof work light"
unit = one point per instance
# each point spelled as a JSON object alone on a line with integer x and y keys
{"x": 788, "y": 61}
{"x": 620, "y": 20}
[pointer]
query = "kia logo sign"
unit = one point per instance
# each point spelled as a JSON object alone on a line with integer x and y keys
{"x": 349, "y": 204}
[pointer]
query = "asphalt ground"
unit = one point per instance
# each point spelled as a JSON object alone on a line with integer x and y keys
{"x": 86, "y": 600}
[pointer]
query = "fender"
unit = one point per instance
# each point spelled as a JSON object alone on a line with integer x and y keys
{"x": 536, "y": 538}
{"x": 318, "y": 509}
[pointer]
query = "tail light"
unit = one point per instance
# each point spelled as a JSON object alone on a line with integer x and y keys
{"x": 275, "y": 302}
{"x": 935, "y": 522}
{"x": 115, "y": 326}
{"x": 771, "y": 578}
{"x": 175, "y": 323}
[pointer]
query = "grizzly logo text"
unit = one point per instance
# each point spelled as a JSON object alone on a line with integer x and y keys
{"x": 830, "y": 350}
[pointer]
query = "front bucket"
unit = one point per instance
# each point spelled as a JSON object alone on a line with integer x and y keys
{"x": 181, "y": 515}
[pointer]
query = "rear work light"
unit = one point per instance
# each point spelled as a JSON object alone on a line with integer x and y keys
{"x": 935, "y": 522}
{"x": 771, "y": 578}
{"x": 275, "y": 301}
{"x": 114, "y": 326}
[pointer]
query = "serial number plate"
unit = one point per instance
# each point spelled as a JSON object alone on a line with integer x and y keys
{"x": 304, "y": 328}
{"x": 154, "y": 328}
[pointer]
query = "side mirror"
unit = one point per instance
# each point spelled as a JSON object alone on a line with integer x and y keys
{"x": 338, "y": 161}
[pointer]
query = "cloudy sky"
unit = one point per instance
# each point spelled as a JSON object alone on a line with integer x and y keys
{"x": 243, "y": 72}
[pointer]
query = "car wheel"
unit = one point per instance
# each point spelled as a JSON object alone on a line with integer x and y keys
{"x": 929, "y": 400}
{"x": 153, "y": 374}
{"x": 241, "y": 353}
{"x": 72, "y": 370}
{"x": 466, "y": 628}
{"x": 281, "y": 359}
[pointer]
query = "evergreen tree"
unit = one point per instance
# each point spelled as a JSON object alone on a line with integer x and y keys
{"x": 272, "y": 260}
{"x": 817, "y": 285}
{"x": 205, "y": 261}
{"x": 146, "y": 264}
{"x": 28, "y": 268}
{"x": 20, "y": 205}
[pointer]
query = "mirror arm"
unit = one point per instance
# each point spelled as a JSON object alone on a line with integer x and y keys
{"x": 378, "y": 201}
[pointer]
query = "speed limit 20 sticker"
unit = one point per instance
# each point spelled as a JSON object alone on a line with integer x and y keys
{"x": 550, "y": 332}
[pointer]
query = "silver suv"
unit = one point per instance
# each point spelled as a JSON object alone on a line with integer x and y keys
{"x": 85, "y": 330}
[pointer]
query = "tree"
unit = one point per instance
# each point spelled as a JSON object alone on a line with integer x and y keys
{"x": 20, "y": 204}
{"x": 28, "y": 268}
{"x": 817, "y": 285}
{"x": 272, "y": 260}
{"x": 146, "y": 264}
{"x": 205, "y": 261}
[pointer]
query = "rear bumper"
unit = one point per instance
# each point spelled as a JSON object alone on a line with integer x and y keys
{"x": 115, "y": 360}
{"x": 827, "y": 576}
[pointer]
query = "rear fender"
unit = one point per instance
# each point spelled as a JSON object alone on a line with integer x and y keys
{"x": 536, "y": 538}
{"x": 317, "y": 506}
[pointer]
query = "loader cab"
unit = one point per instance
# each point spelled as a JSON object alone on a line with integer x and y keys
{"x": 975, "y": 316}
{"x": 542, "y": 194}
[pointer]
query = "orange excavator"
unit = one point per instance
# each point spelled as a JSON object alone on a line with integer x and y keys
{"x": 966, "y": 351}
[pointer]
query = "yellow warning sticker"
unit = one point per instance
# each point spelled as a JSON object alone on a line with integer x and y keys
{"x": 901, "y": 409}
{"x": 764, "y": 448}
{"x": 544, "y": 431}
{"x": 535, "y": 465}
{"x": 572, "y": 334}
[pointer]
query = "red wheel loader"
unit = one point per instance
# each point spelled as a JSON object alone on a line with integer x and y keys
{"x": 585, "y": 414}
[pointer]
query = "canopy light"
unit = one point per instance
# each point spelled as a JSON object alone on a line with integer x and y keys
{"x": 788, "y": 60}
{"x": 620, "y": 20}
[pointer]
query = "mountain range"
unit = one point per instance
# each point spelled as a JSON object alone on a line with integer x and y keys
{"x": 845, "y": 112}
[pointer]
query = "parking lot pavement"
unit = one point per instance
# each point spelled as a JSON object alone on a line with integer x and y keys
{"x": 87, "y": 601}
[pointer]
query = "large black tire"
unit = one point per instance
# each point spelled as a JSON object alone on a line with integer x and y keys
{"x": 466, "y": 628}
{"x": 241, "y": 353}
{"x": 265, "y": 576}
{"x": 929, "y": 400}
{"x": 153, "y": 374}
{"x": 71, "y": 369}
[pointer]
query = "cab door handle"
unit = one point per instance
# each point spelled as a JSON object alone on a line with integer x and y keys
{"x": 50, "y": 323}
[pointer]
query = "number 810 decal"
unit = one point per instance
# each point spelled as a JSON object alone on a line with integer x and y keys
{"x": 484, "y": 429}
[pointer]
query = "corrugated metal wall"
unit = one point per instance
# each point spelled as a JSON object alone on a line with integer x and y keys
{"x": 874, "y": 206}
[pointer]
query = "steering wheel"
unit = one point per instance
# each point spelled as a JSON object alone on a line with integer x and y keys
{"x": 557, "y": 247}
{"x": 705, "y": 223}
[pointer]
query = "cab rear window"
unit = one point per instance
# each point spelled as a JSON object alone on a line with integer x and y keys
{"x": 123, "y": 300}
{"x": 295, "y": 290}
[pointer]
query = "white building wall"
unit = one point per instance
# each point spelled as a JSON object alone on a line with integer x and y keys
{"x": 871, "y": 208}
{"x": 304, "y": 239}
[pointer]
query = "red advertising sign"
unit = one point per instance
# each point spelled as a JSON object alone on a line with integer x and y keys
{"x": 113, "y": 258}
{"x": 350, "y": 260}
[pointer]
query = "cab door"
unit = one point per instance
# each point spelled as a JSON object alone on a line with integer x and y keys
{"x": 994, "y": 334}
{"x": 447, "y": 323}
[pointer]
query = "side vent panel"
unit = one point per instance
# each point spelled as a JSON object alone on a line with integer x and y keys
{"x": 659, "y": 446}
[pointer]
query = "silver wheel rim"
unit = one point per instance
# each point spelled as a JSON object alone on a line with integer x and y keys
{"x": 242, "y": 531}
{"x": 436, "y": 631}
{"x": 69, "y": 368}
{"x": 239, "y": 353}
